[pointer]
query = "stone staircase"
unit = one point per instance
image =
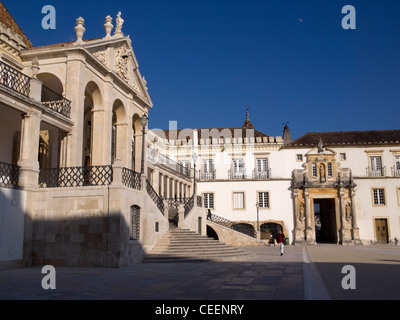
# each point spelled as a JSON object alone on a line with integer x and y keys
{"x": 182, "y": 245}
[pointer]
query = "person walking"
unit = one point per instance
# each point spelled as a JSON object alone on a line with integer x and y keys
{"x": 209, "y": 216}
{"x": 280, "y": 238}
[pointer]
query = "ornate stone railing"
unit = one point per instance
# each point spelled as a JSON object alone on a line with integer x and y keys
{"x": 14, "y": 79}
{"x": 56, "y": 102}
{"x": 131, "y": 179}
{"x": 9, "y": 175}
{"x": 70, "y": 177}
{"x": 156, "y": 198}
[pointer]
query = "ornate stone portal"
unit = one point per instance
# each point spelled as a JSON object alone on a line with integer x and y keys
{"x": 324, "y": 200}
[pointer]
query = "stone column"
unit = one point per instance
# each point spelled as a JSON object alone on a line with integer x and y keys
{"x": 181, "y": 215}
{"x": 29, "y": 150}
{"x": 356, "y": 230}
{"x": 162, "y": 181}
{"x": 299, "y": 232}
{"x": 309, "y": 230}
{"x": 99, "y": 145}
{"x": 344, "y": 231}
{"x": 122, "y": 143}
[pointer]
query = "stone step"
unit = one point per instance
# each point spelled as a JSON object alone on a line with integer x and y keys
{"x": 182, "y": 245}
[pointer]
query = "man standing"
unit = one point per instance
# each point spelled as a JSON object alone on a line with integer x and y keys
{"x": 280, "y": 238}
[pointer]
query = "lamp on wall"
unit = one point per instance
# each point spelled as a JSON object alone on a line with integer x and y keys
{"x": 144, "y": 121}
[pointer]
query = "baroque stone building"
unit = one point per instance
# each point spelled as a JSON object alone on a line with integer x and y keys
{"x": 84, "y": 182}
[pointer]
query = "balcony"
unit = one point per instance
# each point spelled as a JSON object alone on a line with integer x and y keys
{"x": 173, "y": 165}
{"x": 380, "y": 172}
{"x": 237, "y": 175}
{"x": 15, "y": 80}
{"x": 56, "y": 102}
{"x": 396, "y": 171}
{"x": 207, "y": 176}
{"x": 71, "y": 177}
{"x": 261, "y": 175}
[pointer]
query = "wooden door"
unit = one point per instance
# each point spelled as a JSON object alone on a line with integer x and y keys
{"x": 381, "y": 230}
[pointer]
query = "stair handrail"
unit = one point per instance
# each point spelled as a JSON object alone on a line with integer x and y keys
{"x": 247, "y": 230}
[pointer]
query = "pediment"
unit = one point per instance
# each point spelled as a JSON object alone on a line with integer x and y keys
{"x": 117, "y": 55}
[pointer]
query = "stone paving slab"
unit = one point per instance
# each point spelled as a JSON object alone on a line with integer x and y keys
{"x": 301, "y": 273}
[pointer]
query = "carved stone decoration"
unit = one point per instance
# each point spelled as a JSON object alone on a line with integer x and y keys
{"x": 320, "y": 146}
{"x": 301, "y": 212}
{"x": 108, "y": 26}
{"x": 79, "y": 30}
{"x": 121, "y": 67}
{"x": 35, "y": 67}
{"x": 322, "y": 173}
{"x": 101, "y": 56}
{"x": 348, "y": 214}
{"x": 119, "y": 21}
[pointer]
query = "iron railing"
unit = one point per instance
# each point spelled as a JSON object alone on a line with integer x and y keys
{"x": 70, "y": 177}
{"x": 239, "y": 227}
{"x": 237, "y": 175}
{"x": 155, "y": 197}
{"x": 208, "y": 176}
{"x": 56, "y": 102}
{"x": 174, "y": 203}
{"x": 14, "y": 79}
{"x": 395, "y": 171}
{"x": 376, "y": 172}
{"x": 131, "y": 179}
{"x": 189, "y": 204}
{"x": 261, "y": 175}
{"x": 166, "y": 161}
{"x": 9, "y": 175}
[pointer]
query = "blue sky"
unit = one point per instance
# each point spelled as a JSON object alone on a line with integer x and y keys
{"x": 289, "y": 60}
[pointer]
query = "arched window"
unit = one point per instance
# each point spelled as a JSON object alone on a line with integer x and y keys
{"x": 135, "y": 223}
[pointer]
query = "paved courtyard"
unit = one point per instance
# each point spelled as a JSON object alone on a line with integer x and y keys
{"x": 302, "y": 273}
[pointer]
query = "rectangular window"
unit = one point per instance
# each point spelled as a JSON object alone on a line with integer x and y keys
{"x": 238, "y": 165}
{"x": 314, "y": 170}
{"x": 299, "y": 157}
{"x": 262, "y": 171}
{"x": 263, "y": 199}
{"x": 397, "y": 166}
{"x": 398, "y": 197}
{"x": 330, "y": 169}
{"x": 208, "y": 200}
{"x": 238, "y": 200}
{"x": 208, "y": 166}
{"x": 342, "y": 156}
{"x": 376, "y": 166}
{"x": 262, "y": 165}
{"x": 379, "y": 196}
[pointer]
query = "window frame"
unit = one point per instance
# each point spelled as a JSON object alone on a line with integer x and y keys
{"x": 206, "y": 203}
{"x": 243, "y": 200}
{"x": 268, "y": 200}
{"x": 378, "y": 197}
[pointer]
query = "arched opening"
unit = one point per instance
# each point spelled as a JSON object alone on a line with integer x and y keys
{"x": 92, "y": 101}
{"x": 211, "y": 233}
{"x": 52, "y": 82}
{"x": 270, "y": 228}
{"x": 50, "y": 137}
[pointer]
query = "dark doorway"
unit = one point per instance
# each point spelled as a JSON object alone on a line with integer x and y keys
{"x": 325, "y": 221}
{"x": 211, "y": 233}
